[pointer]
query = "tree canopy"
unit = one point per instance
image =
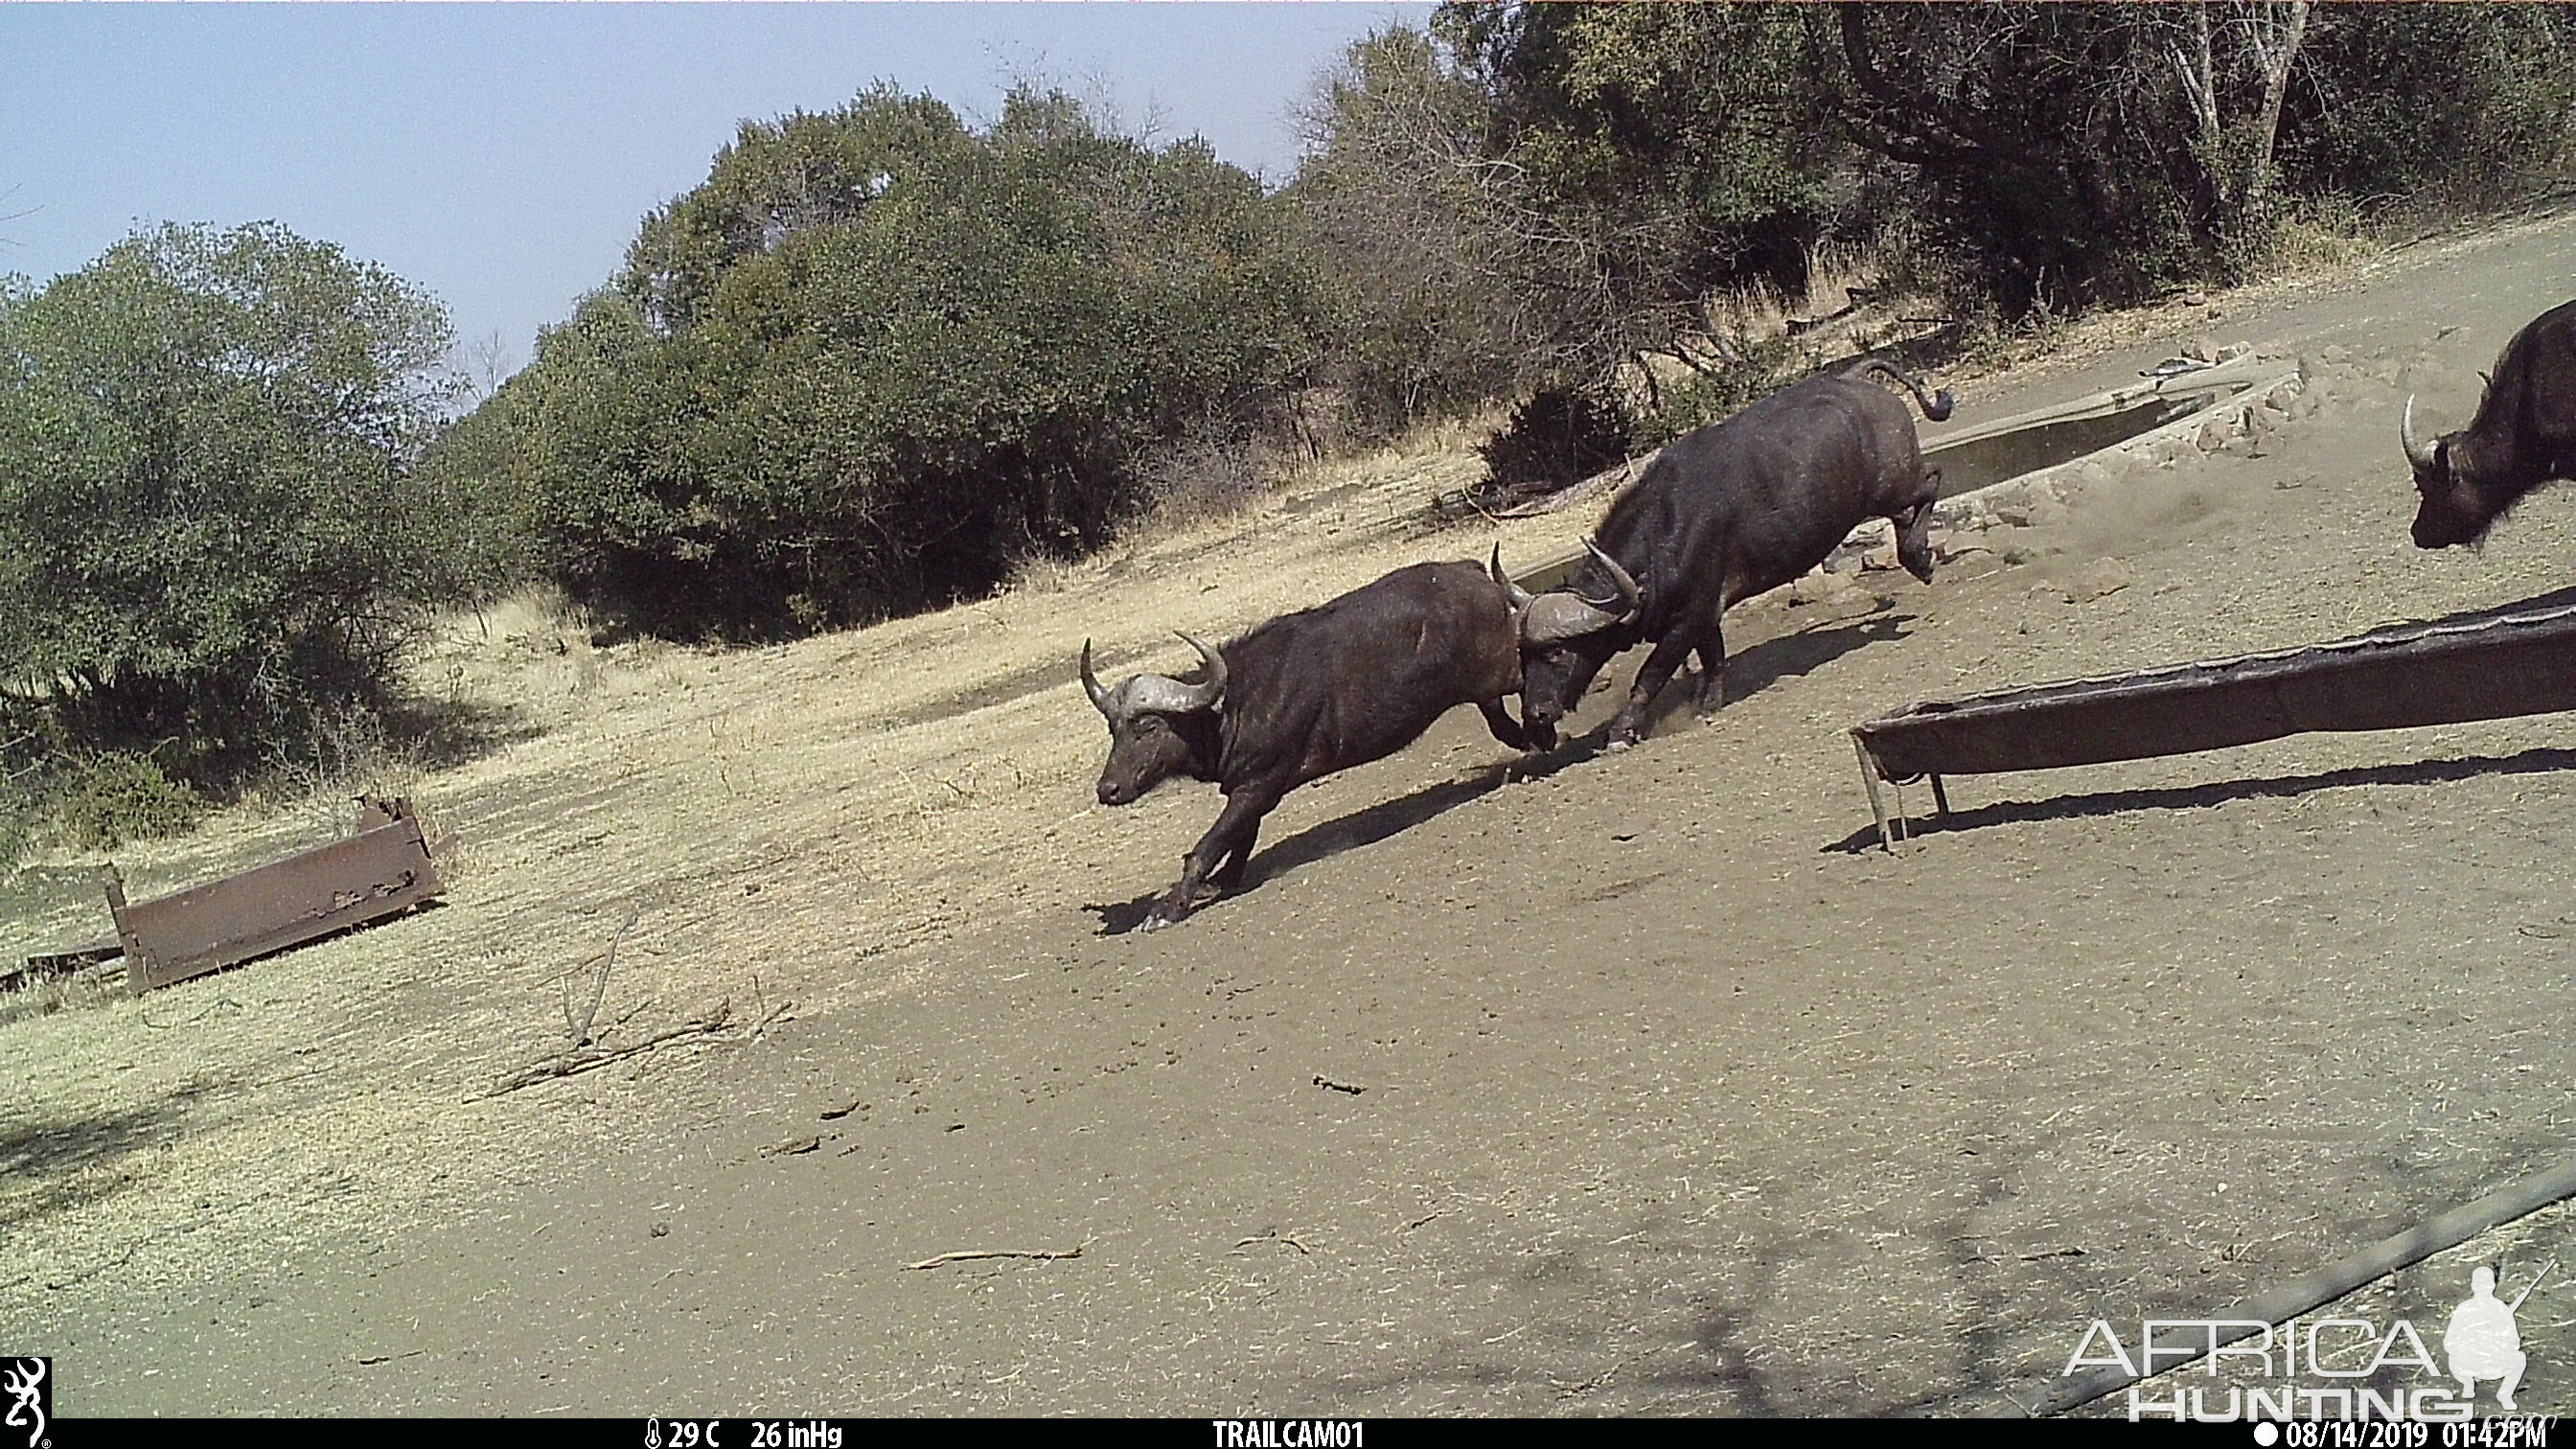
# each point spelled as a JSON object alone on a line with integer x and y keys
{"x": 879, "y": 358}
{"x": 209, "y": 521}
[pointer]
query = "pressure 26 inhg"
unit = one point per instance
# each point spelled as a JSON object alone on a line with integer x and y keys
{"x": 765, "y": 1434}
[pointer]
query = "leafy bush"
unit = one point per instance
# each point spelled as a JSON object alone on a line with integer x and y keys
{"x": 1715, "y": 394}
{"x": 1556, "y": 438}
{"x": 1414, "y": 225}
{"x": 209, "y": 523}
{"x": 2440, "y": 103}
{"x": 2082, "y": 154}
{"x": 1203, "y": 474}
{"x": 878, "y": 360}
{"x": 1532, "y": 198}
{"x": 102, "y": 801}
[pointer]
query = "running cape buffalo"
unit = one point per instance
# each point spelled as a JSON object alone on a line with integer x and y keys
{"x": 1303, "y": 696}
{"x": 2524, "y": 435}
{"x": 1722, "y": 514}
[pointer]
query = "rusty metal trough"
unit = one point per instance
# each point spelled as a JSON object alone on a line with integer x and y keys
{"x": 382, "y": 869}
{"x": 2486, "y": 666}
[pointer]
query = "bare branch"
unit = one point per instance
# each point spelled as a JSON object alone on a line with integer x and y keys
{"x": 972, "y": 1256}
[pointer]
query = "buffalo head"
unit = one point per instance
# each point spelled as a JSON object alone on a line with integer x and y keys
{"x": 1159, "y": 727}
{"x": 2457, "y": 500}
{"x": 1565, "y": 638}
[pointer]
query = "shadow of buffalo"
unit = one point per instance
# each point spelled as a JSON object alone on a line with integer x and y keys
{"x": 1787, "y": 656}
{"x": 1331, "y": 838}
{"x": 1748, "y": 673}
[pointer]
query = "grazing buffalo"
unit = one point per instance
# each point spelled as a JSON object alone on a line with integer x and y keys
{"x": 1303, "y": 696}
{"x": 2523, "y": 436}
{"x": 1725, "y": 513}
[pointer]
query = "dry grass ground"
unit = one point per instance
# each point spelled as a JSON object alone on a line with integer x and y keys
{"x": 1672, "y": 1098}
{"x": 776, "y": 818}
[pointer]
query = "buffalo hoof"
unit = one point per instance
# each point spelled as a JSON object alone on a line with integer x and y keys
{"x": 1172, "y": 909}
{"x": 1618, "y": 745}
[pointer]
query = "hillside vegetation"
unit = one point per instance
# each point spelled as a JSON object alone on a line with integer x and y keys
{"x": 884, "y": 360}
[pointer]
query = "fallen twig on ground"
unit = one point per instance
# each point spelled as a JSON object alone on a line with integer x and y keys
{"x": 574, "y": 1063}
{"x": 1275, "y": 1236}
{"x": 1072, "y": 1252}
{"x": 578, "y": 1032}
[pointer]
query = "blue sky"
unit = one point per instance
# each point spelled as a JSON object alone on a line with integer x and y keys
{"x": 502, "y": 155}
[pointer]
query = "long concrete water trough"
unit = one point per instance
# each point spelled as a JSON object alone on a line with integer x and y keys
{"x": 2181, "y": 398}
{"x": 1988, "y": 459}
{"x": 2492, "y": 665}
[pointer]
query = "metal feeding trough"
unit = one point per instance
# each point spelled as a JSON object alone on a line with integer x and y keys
{"x": 381, "y": 869}
{"x": 2176, "y": 399}
{"x": 2494, "y": 665}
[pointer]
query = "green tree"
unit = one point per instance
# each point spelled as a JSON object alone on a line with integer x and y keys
{"x": 1537, "y": 197}
{"x": 2429, "y": 103}
{"x": 2081, "y": 154}
{"x": 1682, "y": 148}
{"x": 209, "y": 523}
{"x": 878, "y": 359}
{"x": 1431, "y": 240}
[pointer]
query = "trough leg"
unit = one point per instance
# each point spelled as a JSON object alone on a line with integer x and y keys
{"x": 1877, "y": 806}
{"x": 1940, "y": 797}
{"x": 138, "y": 968}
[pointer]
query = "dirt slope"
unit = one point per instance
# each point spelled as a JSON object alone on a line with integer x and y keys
{"x": 1638, "y": 1087}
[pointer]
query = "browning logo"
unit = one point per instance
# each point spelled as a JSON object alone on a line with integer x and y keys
{"x": 27, "y": 1388}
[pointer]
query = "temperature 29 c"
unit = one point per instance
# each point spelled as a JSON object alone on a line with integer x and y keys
{"x": 681, "y": 1434}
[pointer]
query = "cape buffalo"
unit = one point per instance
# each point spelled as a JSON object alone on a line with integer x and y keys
{"x": 1724, "y": 513}
{"x": 1303, "y": 696}
{"x": 2524, "y": 435}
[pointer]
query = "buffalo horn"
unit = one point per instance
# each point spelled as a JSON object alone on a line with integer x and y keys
{"x": 2419, "y": 453}
{"x": 1162, "y": 694}
{"x": 1091, "y": 684}
{"x": 1564, "y": 614}
{"x": 1632, "y": 599}
{"x": 1520, "y": 597}
{"x": 1205, "y": 695}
